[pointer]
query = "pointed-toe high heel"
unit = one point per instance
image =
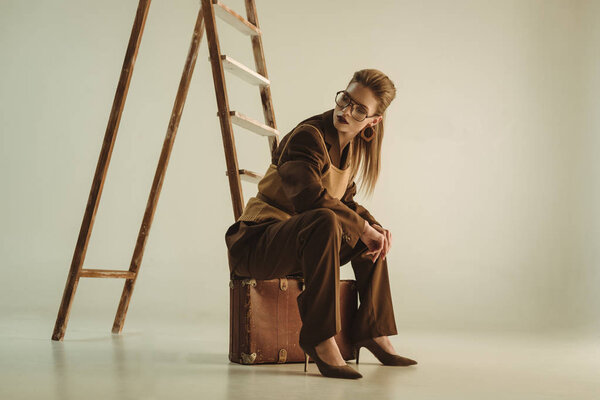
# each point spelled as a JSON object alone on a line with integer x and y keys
{"x": 328, "y": 370}
{"x": 383, "y": 356}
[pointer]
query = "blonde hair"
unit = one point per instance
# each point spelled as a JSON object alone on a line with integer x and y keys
{"x": 368, "y": 154}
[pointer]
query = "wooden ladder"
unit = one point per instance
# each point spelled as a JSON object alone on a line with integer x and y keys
{"x": 206, "y": 20}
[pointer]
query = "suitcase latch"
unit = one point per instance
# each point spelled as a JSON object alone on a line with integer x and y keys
{"x": 251, "y": 282}
{"x": 283, "y": 284}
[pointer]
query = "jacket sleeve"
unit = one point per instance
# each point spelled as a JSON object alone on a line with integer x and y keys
{"x": 348, "y": 199}
{"x": 301, "y": 166}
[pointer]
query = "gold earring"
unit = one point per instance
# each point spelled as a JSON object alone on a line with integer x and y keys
{"x": 367, "y": 134}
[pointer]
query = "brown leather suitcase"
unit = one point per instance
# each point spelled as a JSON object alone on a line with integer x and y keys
{"x": 265, "y": 322}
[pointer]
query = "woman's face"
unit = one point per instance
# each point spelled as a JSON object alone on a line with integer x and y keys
{"x": 361, "y": 96}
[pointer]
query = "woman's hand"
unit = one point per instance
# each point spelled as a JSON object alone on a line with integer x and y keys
{"x": 388, "y": 239}
{"x": 374, "y": 240}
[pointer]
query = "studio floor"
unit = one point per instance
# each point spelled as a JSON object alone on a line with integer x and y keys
{"x": 189, "y": 361}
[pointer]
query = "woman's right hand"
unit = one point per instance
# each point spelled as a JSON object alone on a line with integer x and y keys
{"x": 374, "y": 240}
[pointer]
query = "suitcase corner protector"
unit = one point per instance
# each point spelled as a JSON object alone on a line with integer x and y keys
{"x": 247, "y": 358}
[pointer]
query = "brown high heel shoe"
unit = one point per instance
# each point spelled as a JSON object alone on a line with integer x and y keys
{"x": 383, "y": 356}
{"x": 330, "y": 371}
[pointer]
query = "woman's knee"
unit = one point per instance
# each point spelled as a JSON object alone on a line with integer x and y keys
{"x": 321, "y": 232}
{"x": 325, "y": 218}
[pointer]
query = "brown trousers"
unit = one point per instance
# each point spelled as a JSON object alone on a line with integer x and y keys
{"x": 310, "y": 244}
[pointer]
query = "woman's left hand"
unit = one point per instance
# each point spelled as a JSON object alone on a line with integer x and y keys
{"x": 388, "y": 239}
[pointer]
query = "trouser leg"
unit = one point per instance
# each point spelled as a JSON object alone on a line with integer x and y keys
{"x": 308, "y": 242}
{"x": 375, "y": 315}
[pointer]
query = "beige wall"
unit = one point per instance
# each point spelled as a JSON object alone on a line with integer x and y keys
{"x": 489, "y": 181}
{"x": 583, "y": 276}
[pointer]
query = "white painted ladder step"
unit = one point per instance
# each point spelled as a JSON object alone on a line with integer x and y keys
{"x": 251, "y": 124}
{"x": 242, "y": 71}
{"x": 248, "y": 176}
{"x": 234, "y": 19}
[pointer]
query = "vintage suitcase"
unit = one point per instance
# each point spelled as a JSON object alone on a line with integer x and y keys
{"x": 265, "y": 322}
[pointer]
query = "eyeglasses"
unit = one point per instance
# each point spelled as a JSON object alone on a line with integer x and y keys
{"x": 358, "y": 111}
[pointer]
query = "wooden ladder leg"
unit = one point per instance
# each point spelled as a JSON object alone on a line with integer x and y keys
{"x": 101, "y": 168}
{"x": 261, "y": 68}
{"x": 235, "y": 186}
{"x": 161, "y": 169}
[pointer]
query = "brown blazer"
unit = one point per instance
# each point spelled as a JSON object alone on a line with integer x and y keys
{"x": 301, "y": 163}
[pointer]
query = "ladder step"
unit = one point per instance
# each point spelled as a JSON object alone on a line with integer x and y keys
{"x": 252, "y": 125}
{"x": 247, "y": 74}
{"x": 234, "y": 19}
{"x": 106, "y": 273}
{"x": 248, "y": 176}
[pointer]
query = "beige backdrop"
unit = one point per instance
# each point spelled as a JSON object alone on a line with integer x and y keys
{"x": 490, "y": 181}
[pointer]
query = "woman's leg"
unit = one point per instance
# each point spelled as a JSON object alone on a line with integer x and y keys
{"x": 309, "y": 243}
{"x": 375, "y": 316}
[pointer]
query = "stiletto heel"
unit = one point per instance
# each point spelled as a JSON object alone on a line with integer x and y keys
{"x": 305, "y": 362}
{"x": 383, "y": 356}
{"x": 330, "y": 371}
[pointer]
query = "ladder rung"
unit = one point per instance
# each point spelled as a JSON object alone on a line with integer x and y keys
{"x": 247, "y": 74}
{"x": 106, "y": 273}
{"x": 248, "y": 176}
{"x": 234, "y": 19}
{"x": 251, "y": 124}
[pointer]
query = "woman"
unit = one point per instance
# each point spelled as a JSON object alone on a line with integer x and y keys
{"x": 304, "y": 220}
